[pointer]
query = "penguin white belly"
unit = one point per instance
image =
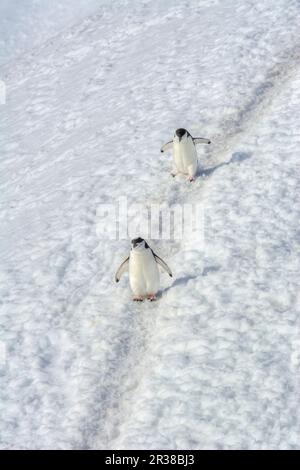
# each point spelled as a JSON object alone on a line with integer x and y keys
{"x": 185, "y": 157}
{"x": 143, "y": 273}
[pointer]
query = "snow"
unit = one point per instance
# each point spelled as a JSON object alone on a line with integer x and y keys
{"x": 27, "y": 23}
{"x": 214, "y": 364}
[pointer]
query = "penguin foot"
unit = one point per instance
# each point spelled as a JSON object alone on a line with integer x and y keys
{"x": 138, "y": 299}
{"x": 173, "y": 174}
{"x": 152, "y": 297}
{"x": 191, "y": 178}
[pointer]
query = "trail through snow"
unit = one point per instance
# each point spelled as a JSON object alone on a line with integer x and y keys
{"x": 215, "y": 362}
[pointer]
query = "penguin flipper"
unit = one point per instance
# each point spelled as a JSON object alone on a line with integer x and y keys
{"x": 166, "y": 146}
{"x": 122, "y": 269}
{"x": 201, "y": 140}
{"x": 162, "y": 264}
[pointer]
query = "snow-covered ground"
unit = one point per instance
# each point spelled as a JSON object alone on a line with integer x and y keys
{"x": 26, "y": 23}
{"x": 215, "y": 362}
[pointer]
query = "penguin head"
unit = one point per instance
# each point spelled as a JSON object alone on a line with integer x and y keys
{"x": 138, "y": 244}
{"x": 181, "y": 134}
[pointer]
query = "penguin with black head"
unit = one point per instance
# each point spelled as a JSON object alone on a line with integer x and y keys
{"x": 184, "y": 152}
{"x": 142, "y": 264}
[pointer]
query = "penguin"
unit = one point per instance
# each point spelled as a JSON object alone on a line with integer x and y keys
{"x": 143, "y": 270}
{"x": 184, "y": 153}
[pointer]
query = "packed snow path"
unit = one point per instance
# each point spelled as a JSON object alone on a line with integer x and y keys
{"x": 215, "y": 362}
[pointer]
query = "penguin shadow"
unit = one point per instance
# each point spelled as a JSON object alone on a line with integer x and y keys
{"x": 181, "y": 281}
{"x": 237, "y": 157}
{"x": 210, "y": 269}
